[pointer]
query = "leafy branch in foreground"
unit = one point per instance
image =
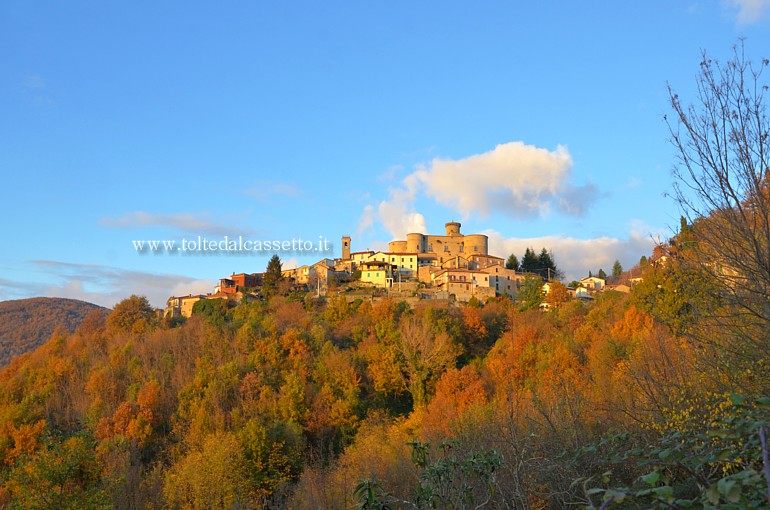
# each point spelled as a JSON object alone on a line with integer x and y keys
{"x": 724, "y": 467}
{"x": 447, "y": 480}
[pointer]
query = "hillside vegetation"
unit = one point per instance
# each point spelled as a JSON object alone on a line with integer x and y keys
{"x": 658, "y": 398}
{"x": 297, "y": 403}
{"x": 25, "y": 324}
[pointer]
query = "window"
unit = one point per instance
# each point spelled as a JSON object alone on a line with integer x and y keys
{"x": 475, "y": 248}
{"x": 462, "y": 248}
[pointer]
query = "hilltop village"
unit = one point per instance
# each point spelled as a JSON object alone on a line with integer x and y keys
{"x": 452, "y": 266}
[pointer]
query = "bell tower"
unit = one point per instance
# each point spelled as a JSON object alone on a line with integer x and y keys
{"x": 346, "y": 248}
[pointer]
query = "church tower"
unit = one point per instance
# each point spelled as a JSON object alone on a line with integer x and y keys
{"x": 346, "y": 248}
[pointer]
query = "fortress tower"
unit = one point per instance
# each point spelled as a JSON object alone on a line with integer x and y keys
{"x": 452, "y": 228}
{"x": 453, "y": 244}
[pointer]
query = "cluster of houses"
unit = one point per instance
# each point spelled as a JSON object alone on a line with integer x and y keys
{"x": 450, "y": 266}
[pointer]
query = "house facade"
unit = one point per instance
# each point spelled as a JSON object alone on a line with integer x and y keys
{"x": 181, "y": 306}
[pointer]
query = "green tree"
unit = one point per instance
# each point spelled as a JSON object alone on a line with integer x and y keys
{"x": 62, "y": 475}
{"x": 675, "y": 294}
{"x": 272, "y": 456}
{"x": 272, "y": 279}
{"x": 213, "y": 477}
{"x": 540, "y": 264}
{"x": 547, "y": 265}
{"x": 530, "y": 295}
{"x": 530, "y": 262}
{"x": 617, "y": 270}
{"x": 215, "y": 310}
{"x": 512, "y": 262}
{"x": 601, "y": 274}
{"x": 720, "y": 466}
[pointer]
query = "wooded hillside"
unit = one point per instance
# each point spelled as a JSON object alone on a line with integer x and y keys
{"x": 26, "y": 323}
{"x": 299, "y": 403}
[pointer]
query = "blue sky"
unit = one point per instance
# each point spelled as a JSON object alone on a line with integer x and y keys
{"x": 539, "y": 124}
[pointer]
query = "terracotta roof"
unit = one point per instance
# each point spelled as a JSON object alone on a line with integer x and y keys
{"x": 375, "y": 263}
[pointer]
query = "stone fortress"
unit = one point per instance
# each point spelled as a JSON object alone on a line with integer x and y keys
{"x": 452, "y": 266}
{"x": 455, "y": 265}
{"x": 445, "y": 247}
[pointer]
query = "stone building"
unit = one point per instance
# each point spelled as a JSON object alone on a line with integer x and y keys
{"x": 443, "y": 247}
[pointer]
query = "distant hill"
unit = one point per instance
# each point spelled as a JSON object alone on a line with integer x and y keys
{"x": 25, "y": 324}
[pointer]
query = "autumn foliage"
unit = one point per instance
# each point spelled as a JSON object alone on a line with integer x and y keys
{"x": 290, "y": 403}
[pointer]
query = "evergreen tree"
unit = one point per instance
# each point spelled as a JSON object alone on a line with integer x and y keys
{"x": 601, "y": 274}
{"x": 617, "y": 270}
{"x": 512, "y": 262}
{"x": 272, "y": 276}
{"x": 530, "y": 262}
{"x": 542, "y": 265}
{"x": 547, "y": 265}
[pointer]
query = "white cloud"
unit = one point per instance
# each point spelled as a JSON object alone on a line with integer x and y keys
{"x": 290, "y": 263}
{"x": 106, "y": 285}
{"x": 185, "y": 288}
{"x": 749, "y": 11}
{"x": 397, "y": 213}
{"x": 575, "y": 257}
{"x": 366, "y": 220}
{"x": 515, "y": 178}
{"x": 185, "y": 222}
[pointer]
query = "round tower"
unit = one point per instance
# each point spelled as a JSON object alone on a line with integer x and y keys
{"x": 415, "y": 243}
{"x": 477, "y": 244}
{"x": 452, "y": 228}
